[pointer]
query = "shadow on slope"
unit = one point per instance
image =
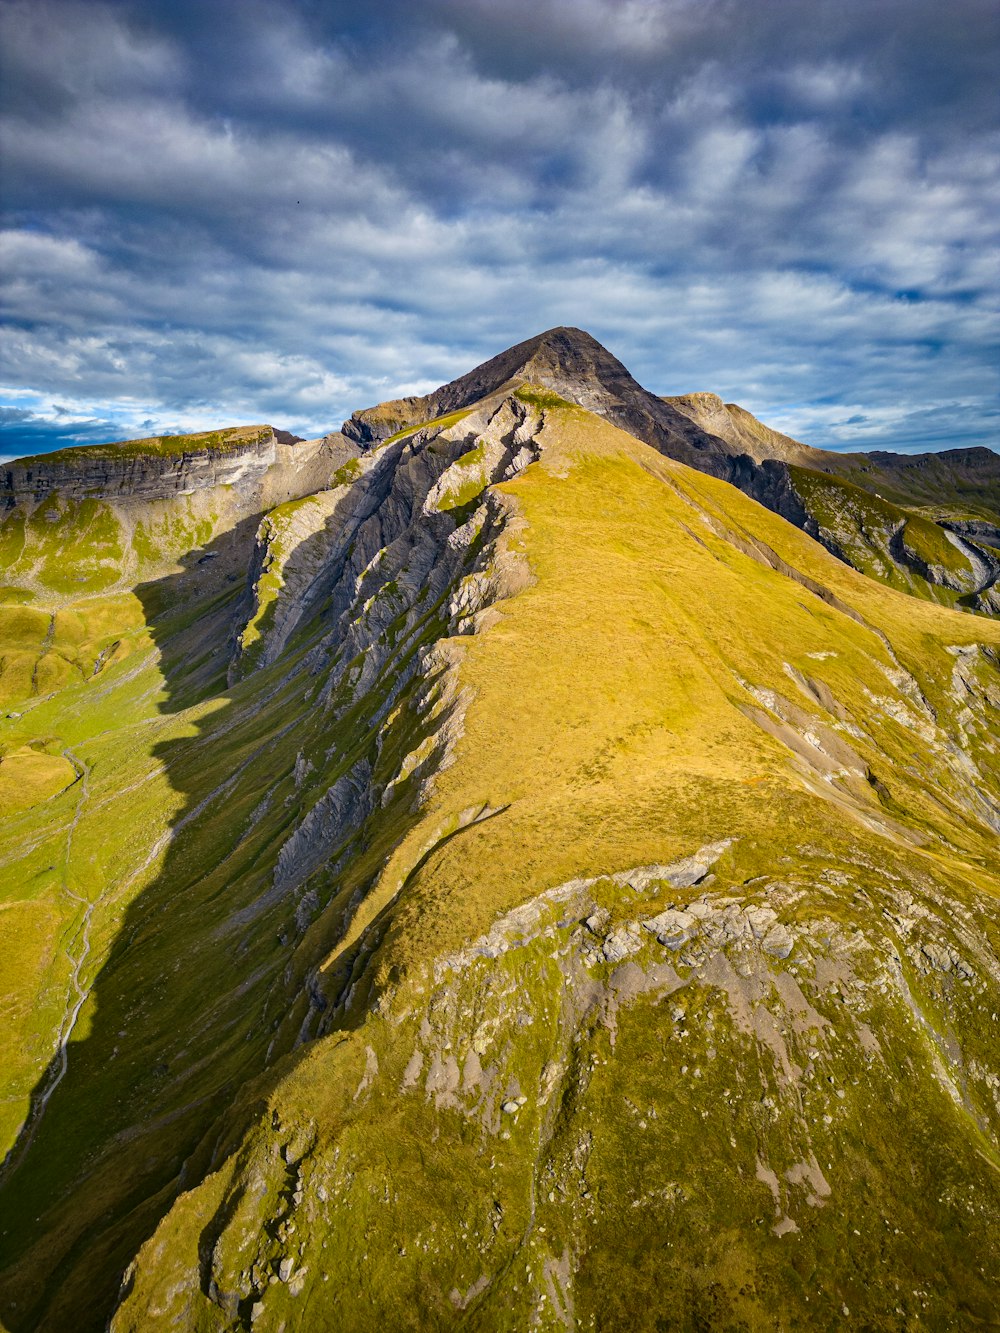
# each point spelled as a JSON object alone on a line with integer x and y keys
{"x": 184, "y": 1008}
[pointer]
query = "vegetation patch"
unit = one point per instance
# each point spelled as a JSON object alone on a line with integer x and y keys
{"x": 347, "y": 473}
{"x": 862, "y": 527}
{"x": 227, "y": 440}
{"x": 539, "y": 397}
{"x": 435, "y": 424}
{"x": 29, "y": 776}
{"x": 469, "y": 488}
{"x": 929, "y": 544}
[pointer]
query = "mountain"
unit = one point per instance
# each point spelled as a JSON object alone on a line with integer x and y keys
{"x": 929, "y": 523}
{"x": 878, "y": 512}
{"x": 480, "y": 870}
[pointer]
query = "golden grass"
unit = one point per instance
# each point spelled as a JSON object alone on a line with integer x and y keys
{"x": 28, "y": 777}
{"x": 608, "y": 716}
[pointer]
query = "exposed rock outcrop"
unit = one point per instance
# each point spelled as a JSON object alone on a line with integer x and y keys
{"x": 245, "y": 457}
{"x": 725, "y": 441}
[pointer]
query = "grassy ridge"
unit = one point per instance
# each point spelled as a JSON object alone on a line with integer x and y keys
{"x": 598, "y": 718}
{"x": 654, "y": 689}
{"x": 609, "y": 726}
{"x": 226, "y": 440}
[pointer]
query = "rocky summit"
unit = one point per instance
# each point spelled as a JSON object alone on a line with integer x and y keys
{"x": 527, "y": 860}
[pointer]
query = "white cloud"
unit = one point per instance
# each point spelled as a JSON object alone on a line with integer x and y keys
{"x": 828, "y": 83}
{"x": 343, "y": 222}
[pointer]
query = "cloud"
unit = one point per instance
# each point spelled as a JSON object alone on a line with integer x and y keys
{"x": 10, "y": 416}
{"x": 278, "y": 211}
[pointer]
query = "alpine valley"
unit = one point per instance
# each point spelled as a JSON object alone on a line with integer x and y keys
{"x": 527, "y": 860}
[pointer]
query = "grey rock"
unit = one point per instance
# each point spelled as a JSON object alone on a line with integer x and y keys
{"x": 779, "y": 941}
{"x": 135, "y": 475}
{"x": 342, "y": 808}
{"x": 760, "y": 919}
{"x": 621, "y": 943}
{"x": 945, "y": 959}
{"x": 672, "y": 928}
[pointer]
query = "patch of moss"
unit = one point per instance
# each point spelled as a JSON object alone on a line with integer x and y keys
{"x": 461, "y": 496}
{"x": 436, "y": 424}
{"x": 347, "y": 473}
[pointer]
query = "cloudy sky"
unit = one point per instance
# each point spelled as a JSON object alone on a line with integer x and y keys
{"x": 220, "y": 211}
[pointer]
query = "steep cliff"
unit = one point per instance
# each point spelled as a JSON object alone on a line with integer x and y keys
{"x": 130, "y": 510}
{"x": 152, "y": 469}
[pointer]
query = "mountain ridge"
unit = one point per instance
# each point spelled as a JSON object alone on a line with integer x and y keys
{"x": 526, "y": 853}
{"x": 728, "y": 442}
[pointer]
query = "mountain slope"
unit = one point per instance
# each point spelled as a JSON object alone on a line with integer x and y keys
{"x": 926, "y": 523}
{"x": 958, "y": 568}
{"x": 578, "y": 909}
{"x": 949, "y": 479}
{"x": 743, "y": 431}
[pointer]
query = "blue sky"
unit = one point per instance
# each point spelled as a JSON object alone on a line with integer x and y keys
{"x": 221, "y": 211}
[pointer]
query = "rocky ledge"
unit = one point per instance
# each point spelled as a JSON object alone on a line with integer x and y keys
{"x": 153, "y": 469}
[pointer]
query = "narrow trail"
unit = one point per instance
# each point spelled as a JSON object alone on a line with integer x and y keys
{"x": 78, "y": 992}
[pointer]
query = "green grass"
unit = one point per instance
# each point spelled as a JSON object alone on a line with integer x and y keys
{"x": 34, "y": 545}
{"x": 934, "y": 485}
{"x": 929, "y": 544}
{"x": 29, "y": 776}
{"x": 43, "y": 649}
{"x": 538, "y": 397}
{"x": 468, "y": 488}
{"x": 829, "y": 496}
{"x": 860, "y": 525}
{"x": 226, "y": 440}
{"x": 436, "y": 424}
{"x": 347, "y": 473}
{"x": 274, "y": 536}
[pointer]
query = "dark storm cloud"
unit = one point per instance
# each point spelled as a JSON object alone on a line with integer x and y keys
{"x": 225, "y": 211}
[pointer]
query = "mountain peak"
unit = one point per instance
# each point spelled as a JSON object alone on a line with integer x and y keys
{"x": 728, "y": 442}
{"x": 572, "y": 363}
{"x": 568, "y": 360}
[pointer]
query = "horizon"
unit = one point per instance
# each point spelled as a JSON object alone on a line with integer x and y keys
{"x": 234, "y": 213}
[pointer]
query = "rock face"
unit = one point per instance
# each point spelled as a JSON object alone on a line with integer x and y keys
{"x": 131, "y": 510}
{"x": 253, "y": 460}
{"x": 128, "y": 472}
{"x": 728, "y": 442}
{"x": 742, "y": 430}
{"x": 524, "y": 882}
